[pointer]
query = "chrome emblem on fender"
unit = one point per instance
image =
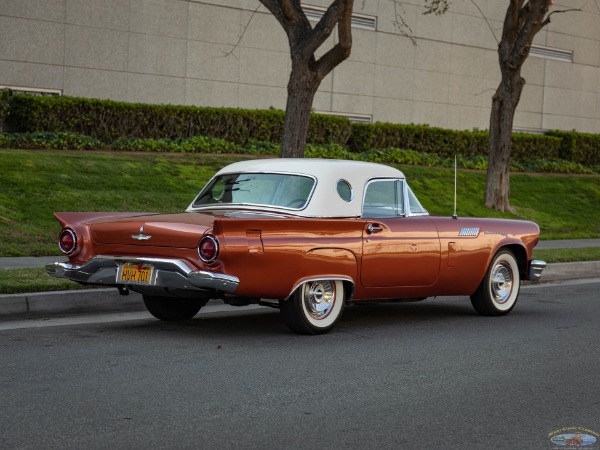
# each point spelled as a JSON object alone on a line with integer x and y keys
{"x": 468, "y": 232}
{"x": 141, "y": 236}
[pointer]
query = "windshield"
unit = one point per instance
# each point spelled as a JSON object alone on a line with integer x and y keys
{"x": 263, "y": 189}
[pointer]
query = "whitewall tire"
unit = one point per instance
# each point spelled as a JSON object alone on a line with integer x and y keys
{"x": 498, "y": 292}
{"x": 315, "y": 306}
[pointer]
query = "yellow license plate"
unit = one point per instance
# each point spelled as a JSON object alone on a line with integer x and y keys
{"x": 131, "y": 273}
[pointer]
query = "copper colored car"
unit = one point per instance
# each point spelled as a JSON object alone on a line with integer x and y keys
{"x": 306, "y": 236}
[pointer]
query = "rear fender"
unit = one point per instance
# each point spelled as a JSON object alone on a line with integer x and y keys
{"x": 78, "y": 222}
{"x": 75, "y": 218}
{"x": 329, "y": 264}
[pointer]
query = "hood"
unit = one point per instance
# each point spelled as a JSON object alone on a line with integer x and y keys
{"x": 159, "y": 230}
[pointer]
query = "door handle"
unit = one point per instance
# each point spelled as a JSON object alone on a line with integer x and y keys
{"x": 374, "y": 228}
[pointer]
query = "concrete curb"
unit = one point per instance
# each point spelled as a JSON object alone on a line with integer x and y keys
{"x": 85, "y": 301}
{"x": 41, "y": 304}
{"x": 571, "y": 271}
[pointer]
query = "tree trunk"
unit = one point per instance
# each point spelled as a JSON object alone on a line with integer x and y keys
{"x": 308, "y": 71}
{"x": 523, "y": 19}
{"x": 302, "y": 86}
{"x": 504, "y": 104}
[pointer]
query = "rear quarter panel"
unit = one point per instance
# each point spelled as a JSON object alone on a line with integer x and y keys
{"x": 272, "y": 256}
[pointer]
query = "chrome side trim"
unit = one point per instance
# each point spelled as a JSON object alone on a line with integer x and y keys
{"x": 169, "y": 273}
{"x": 535, "y": 269}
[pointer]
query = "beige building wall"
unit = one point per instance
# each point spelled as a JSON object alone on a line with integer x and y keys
{"x": 233, "y": 53}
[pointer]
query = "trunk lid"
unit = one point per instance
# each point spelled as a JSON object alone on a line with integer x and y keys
{"x": 157, "y": 230}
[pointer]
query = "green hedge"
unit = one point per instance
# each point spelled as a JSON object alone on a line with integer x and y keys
{"x": 447, "y": 143}
{"x": 582, "y": 148}
{"x": 49, "y": 141}
{"x": 203, "y": 144}
{"x": 143, "y": 127}
{"x": 195, "y": 144}
{"x": 528, "y": 147}
{"x": 108, "y": 121}
{"x": 5, "y": 102}
{"x": 420, "y": 138}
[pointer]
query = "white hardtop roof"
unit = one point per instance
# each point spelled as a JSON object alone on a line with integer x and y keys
{"x": 325, "y": 201}
{"x": 316, "y": 167}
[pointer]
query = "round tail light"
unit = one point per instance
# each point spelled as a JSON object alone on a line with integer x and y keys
{"x": 67, "y": 241}
{"x": 208, "y": 248}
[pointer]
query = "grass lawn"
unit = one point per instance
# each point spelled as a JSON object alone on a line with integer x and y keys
{"x": 554, "y": 255}
{"x": 14, "y": 281}
{"x": 35, "y": 184}
{"x": 564, "y": 206}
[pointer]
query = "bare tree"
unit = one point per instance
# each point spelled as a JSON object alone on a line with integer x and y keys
{"x": 523, "y": 20}
{"x": 308, "y": 71}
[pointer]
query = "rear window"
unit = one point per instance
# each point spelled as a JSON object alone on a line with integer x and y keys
{"x": 262, "y": 189}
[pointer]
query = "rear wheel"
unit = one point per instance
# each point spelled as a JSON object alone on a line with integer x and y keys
{"x": 172, "y": 308}
{"x": 498, "y": 292}
{"x": 315, "y": 307}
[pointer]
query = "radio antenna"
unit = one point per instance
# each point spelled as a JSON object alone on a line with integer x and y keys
{"x": 455, "y": 216}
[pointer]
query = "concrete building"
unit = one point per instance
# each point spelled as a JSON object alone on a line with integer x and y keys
{"x": 233, "y": 53}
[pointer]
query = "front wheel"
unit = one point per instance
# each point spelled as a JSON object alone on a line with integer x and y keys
{"x": 315, "y": 307}
{"x": 172, "y": 308}
{"x": 498, "y": 292}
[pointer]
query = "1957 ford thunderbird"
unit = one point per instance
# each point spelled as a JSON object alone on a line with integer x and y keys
{"x": 306, "y": 236}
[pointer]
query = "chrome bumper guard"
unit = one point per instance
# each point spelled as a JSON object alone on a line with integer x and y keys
{"x": 169, "y": 273}
{"x": 535, "y": 269}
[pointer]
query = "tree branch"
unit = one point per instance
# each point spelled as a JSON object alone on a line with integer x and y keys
{"x": 345, "y": 25}
{"x": 486, "y": 21}
{"x": 341, "y": 50}
{"x": 275, "y": 9}
{"x": 547, "y": 20}
{"x": 324, "y": 28}
{"x": 225, "y": 54}
{"x": 288, "y": 9}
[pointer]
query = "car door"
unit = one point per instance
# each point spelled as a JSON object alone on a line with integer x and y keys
{"x": 399, "y": 249}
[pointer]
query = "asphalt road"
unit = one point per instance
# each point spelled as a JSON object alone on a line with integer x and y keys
{"x": 429, "y": 375}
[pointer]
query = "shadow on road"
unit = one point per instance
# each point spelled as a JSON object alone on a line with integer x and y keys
{"x": 360, "y": 319}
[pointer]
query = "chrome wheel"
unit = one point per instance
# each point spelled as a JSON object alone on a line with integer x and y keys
{"x": 499, "y": 289}
{"x": 315, "y": 306}
{"x": 318, "y": 298}
{"x": 502, "y": 282}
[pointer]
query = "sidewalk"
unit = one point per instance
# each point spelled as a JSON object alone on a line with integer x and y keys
{"x": 44, "y": 304}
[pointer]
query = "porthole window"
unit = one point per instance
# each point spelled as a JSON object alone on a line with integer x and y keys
{"x": 344, "y": 190}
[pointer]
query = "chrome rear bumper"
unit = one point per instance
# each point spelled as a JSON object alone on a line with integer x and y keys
{"x": 168, "y": 273}
{"x": 535, "y": 269}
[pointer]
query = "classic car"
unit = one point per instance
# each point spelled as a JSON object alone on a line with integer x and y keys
{"x": 306, "y": 236}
